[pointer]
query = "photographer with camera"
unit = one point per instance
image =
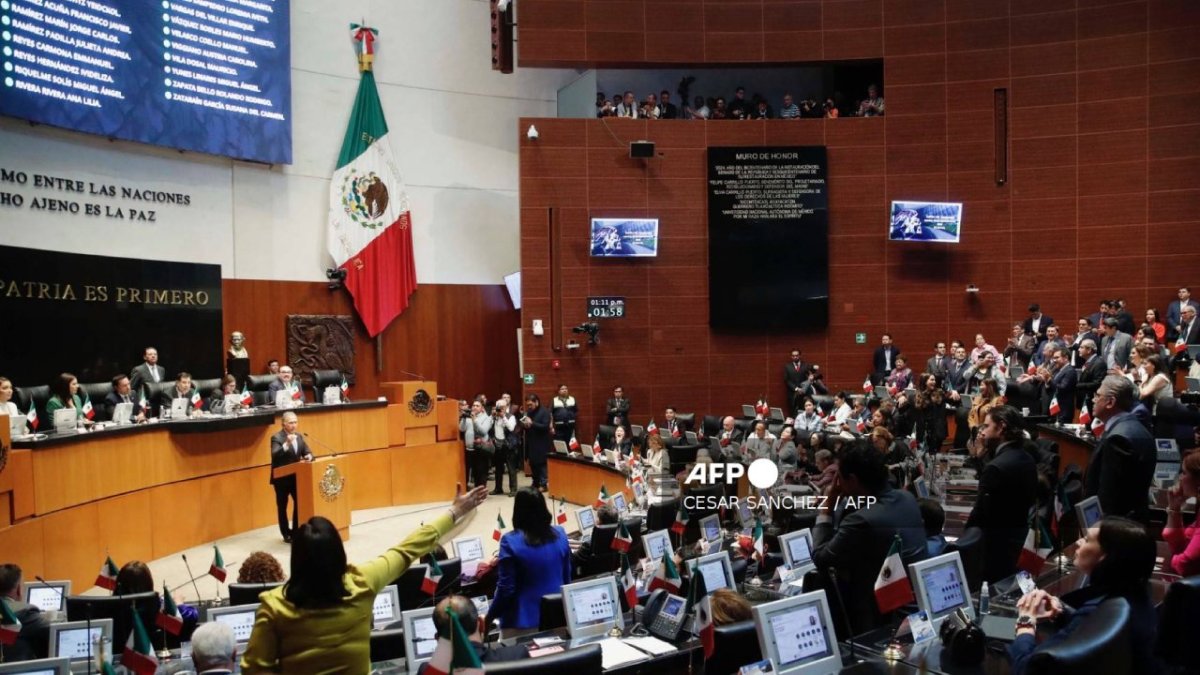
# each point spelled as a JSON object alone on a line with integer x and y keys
{"x": 476, "y": 426}
{"x": 508, "y": 447}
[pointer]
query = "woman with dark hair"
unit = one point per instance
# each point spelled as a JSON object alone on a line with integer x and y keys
{"x": 1157, "y": 325}
{"x": 987, "y": 398}
{"x": 1118, "y": 556}
{"x": 1183, "y": 540}
{"x": 1157, "y": 385}
{"x": 134, "y": 577}
{"x": 901, "y": 376}
{"x": 535, "y": 559}
{"x": 227, "y": 391}
{"x": 320, "y": 620}
{"x": 930, "y": 411}
{"x": 65, "y": 394}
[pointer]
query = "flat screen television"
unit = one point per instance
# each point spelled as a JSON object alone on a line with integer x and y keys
{"x": 939, "y": 222}
{"x": 624, "y": 237}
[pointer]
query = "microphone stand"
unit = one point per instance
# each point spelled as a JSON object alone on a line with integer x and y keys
{"x": 837, "y": 594}
{"x": 333, "y": 452}
{"x": 192, "y": 577}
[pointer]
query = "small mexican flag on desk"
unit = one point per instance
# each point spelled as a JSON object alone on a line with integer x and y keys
{"x": 217, "y": 568}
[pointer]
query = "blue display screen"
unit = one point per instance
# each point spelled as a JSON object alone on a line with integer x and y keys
{"x": 211, "y": 76}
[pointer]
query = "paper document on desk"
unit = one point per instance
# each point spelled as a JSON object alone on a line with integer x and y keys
{"x": 617, "y": 653}
{"x": 651, "y": 645}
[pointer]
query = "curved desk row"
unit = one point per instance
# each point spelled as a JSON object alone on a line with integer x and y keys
{"x": 579, "y": 480}
{"x": 148, "y": 491}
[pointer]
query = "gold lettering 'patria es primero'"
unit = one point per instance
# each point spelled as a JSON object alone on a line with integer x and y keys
{"x": 70, "y": 292}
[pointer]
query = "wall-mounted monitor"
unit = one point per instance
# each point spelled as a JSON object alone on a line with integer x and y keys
{"x": 624, "y": 237}
{"x": 925, "y": 221}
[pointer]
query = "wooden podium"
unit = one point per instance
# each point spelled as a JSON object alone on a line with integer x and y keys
{"x": 321, "y": 490}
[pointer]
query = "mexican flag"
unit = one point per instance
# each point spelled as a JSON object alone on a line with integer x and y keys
{"x": 10, "y": 625}
{"x": 455, "y": 655}
{"x": 143, "y": 403}
{"x": 499, "y": 531}
{"x": 88, "y": 411}
{"x": 169, "y": 618}
{"x": 602, "y": 498}
{"x": 573, "y": 446}
{"x": 622, "y": 541}
{"x": 370, "y": 227}
{"x": 1097, "y": 427}
{"x": 433, "y": 575}
{"x": 1085, "y": 415}
{"x": 652, "y": 429}
{"x": 760, "y": 543}
{"x": 628, "y": 583}
{"x": 297, "y": 392}
{"x": 667, "y": 575}
{"x": 247, "y": 397}
{"x": 217, "y": 568}
{"x": 196, "y": 401}
{"x": 32, "y": 419}
{"x": 596, "y": 449}
{"x": 702, "y": 625}
{"x": 344, "y": 387}
{"x": 138, "y": 656}
{"x": 107, "y": 579}
{"x": 1036, "y": 549}
{"x": 562, "y": 512}
{"x": 681, "y": 520}
{"x": 1055, "y": 408}
{"x": 867, "y": 386}
{"x": 892, "y": 589}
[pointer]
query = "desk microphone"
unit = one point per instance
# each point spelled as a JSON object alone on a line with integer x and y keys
{"x": 332, "y": 451}
{"x": 416, "y": 375}
{"x": 191, "y": 577}
{"x": 837, "y": 594}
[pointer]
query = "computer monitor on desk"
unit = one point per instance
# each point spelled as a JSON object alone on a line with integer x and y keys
{"x": 941, "y": 587}
{"x": 586, "y": 517}
{"x": 386, "y": 608}
{"x": 239, "y": 618}
{"x": 420, "y": 636}
{"x": 654, "y": 543}
{"x": 120, "y": 609}
{"x": 710, "y": 527}
{"x": 55, "y": 666}
{"x": 716, "y": 570}
{"x": 72, "y": 639}
{"x": 797, "y": 635}
{"x": 51, "y": 595}
{"x": 797, "y": 549}
{"x": 467, "y": 549}
{"x": 592, "y": 608}
{"x": 1088, "y": 513}
{"x": 618, "y": 502}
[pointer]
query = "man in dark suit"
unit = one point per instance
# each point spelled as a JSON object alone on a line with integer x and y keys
{"x": 617, "y": 407}
{"x": 1062, "y": 387}
{"x": 287, "y": 447}
{"x": 884, "y": 359}
{"x": 285, "y": 382}
{"x": 674, "y": 430}
{"x": 1124, "y": 319}
{"x": 1189, "y": 327}
{"x": 957, "y": 386}
{"x": 858, "y": 545}
{"x": 123, "y": 393}
{"x": 1175, "y": 312}
{"x": 666, "y": 109}
{"x": 1122, "y": 467}
{"x": 147, "y": 372}
{"x": 938, "y": 364}
{"x": 1115, "y": 346}
{"x": 1037, "y": 322}
{"x": 182, "y": 389}
{"x": 34, "y": 639}
{"x": 1007, "y": 491}
{"x": 473, "y": 624}
{"x": 538, "y": 439}
{"x": 1085, "y": 332}
{"x": 796, "y": 374}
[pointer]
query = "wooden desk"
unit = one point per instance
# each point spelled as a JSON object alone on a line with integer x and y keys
{"x": 579, "y": 481}
{"x": 1071, "y": 448}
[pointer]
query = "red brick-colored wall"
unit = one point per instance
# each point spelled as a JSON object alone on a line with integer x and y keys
{"x": 1102, "y": 198}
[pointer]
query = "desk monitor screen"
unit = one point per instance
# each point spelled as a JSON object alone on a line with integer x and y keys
{"x": 797, "y": 635}
{"x": 587, "y": 519}
{"x": 73, "y": 641}
{"x": 387, "y": 606}
{"x": 941, "y": 587}
{"x": 654, "y": 543}
{"x": 56, "y": 666}
{"x": 639, "y": 490}
{"x": 51, "y": 595}
{"x": 716, "y": 570}
{"x": 1088, "y": 513}
{"x": 420, "y": 636}
{"x": 745, "y": 515}
{"x": 592, "y": 608}
{"x": 239, "y": 618}
{"x": 468, "y": 548}
{"x": 797, "y": 548}
{"x": 618, "y": 502}
{"x": 710, "y": 527}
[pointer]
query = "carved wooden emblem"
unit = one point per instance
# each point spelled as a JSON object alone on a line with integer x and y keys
{"x": 421, "y": 404}
{"x": 332, "y": 483}
{"x": 320, "y": 342}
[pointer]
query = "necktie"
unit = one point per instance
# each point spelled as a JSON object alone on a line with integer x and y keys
{"x": 154, "y": 373}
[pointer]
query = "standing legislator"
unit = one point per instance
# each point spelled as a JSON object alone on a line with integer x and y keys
{"x": 287, "y": 447}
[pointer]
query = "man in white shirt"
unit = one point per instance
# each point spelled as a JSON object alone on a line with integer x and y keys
{"x": 760, "y": 443}
{"x": 841, "y": 409}
{"x": 629, "y": 107}
{"x": 699, "y": 111}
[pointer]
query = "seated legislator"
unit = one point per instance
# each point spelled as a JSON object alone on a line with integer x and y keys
{"x": 287, "y": 447}
{"x": 674, "y": 428}
{"x": 759, "y": 444}
{"x": 32, "y": 642}
{"x": 656, "y": 458}
{"x": 605, "y": 515}
{"x": 285, "y": 382}
{"x": 182, "y": 389}
{"x": 227, "y": 391}
{"x": 472, "y": 623}
{"x": 65, "y": 394}
{"x": 535, "y": 559}
{"x": 123, "y": 393}
{"x": 858, "y": 544}
{"x": 901, "y": 376}
{"x": 320, "y": 620}
{"x": 7, "y": 407}
{"x": 729, "y": 607}
{"x": 1007, "y": 490}
{"x": 1117, "y": 556}
{"x": 260, "y": 567}
{"x": 622, "y": 444}
{"x": 1122, "y": 467}
{"x": 1183, "y": 540}
{"x": 214, "y": 650}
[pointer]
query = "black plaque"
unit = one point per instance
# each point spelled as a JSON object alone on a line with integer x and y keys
{"x": 605, "y": 307}
{"x": 768, "y": 238}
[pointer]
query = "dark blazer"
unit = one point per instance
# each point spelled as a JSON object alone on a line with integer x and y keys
{"x": 1090, "y": 377}
{"x": 113, "y": 400}
{"x": 1125, "y": 322}
{"x": 1007, "y": 490}
{"x": 1123, "y": 344}
{"x": 539, "y": 438}
{"x": 283, "y": 455}
{"x": 1077, "y": 606}
{"x": 1191, "y": 334}
{"x": 1122, "y": 468}
{"x": 33, "y": 642}
{"x": 496, "y": 653}
{"x": 614, "y": 408}
{"x": 879, "y": 362}
{"x": 795, "y": 378}
{"x": 140, "y": 376}
{"x": 1063, "y": 385}
{"x": 1076, "y": 360}
{"x": 277, "y": 386}
{"x": 956, "y": 379}
{"x": 859, "y": 545}
{"x": 526, "y": 573}
{"x": 1175, "y": 315}
{"x": 938, "y": 365}
{"x": 670, "y": 426}
{"x": 170, "y": 394}
{"x": 1041, "y": 331}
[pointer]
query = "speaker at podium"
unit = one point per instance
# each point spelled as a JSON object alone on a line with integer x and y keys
{"x": 321, "y": 490}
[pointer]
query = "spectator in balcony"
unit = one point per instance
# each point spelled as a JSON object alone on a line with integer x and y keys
{"x": 604, "y": 108}
{"x": 666, "y": 109}
{"x": 719, "y": 111}
{"x": 649, "y": 109}
{"x": 628, "y": 107}
{"x": 739, "y": 104}
{"x": 762, "y": 111}
{"x": 699, "y": 111}
{"x": 872, "y": 106}
{"x": 789, "y": 110}
{"x": 1160, "y": 328}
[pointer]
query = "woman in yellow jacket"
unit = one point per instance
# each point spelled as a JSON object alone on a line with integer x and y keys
{"x": 320, "y": 620}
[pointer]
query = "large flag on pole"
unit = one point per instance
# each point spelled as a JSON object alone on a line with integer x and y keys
{"x": 370, "y": 230}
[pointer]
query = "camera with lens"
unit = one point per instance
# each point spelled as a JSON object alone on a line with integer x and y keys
{"x": 591, "y": 328}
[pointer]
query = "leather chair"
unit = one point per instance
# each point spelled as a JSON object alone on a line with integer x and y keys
{"x": 322, "y": 379}
{"x": 1179, "y": 615}
{"x": 687, "y": 419}
{"x": 634, "y": 525}
{"x": 824, "y": 402}
{"x": 970, "y": 549}
{"x": 553, "y": 614}
{"x": 706, "y": 494}
{"x": 207, "y": 386}
{"x": 711, "y": 425}
{"x": 606, "y": 433}
{"x": 738, "y": 566}
{"x": 259, "y": 386}
{"x": 586, "y": 660}
{"x": 681, "y": 456}
{"x": 387, "y": 645}
{"x": 775, "y": 428}
{"x": 661, "y": 516}
{"x": 38, "y": 395}
{"x": 734, "y": 645}
{"x": 603, "y": 558}
{"x": 96, "y": 391}
{"x": 154, "y": 391}
{"x": 247, "y": 594}
{"x": 1101, "y": 644}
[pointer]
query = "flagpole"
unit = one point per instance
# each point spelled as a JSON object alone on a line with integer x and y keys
{"x": 379, "y": 352}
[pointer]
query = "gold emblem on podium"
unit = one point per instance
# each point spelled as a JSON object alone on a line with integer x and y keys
{"x": 332, "y": 483}
{"x": 421, "y": 403}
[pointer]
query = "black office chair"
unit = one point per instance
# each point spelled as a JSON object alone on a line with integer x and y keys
{"x": 247, "y": 594}
{"x": 387, "y": 644}
{"x": 634, "y": 525}
{"x": 154, "y": 392}
{"x": 661, "y": 516}
{"x": 451, "y": 582}
{"x": 118, "y": 608}
{"x": 582, "y": 661}
{"x": 408, "y": 586}
{"x": 207, "y": 386}
{"x": 766, "y": 568}
{"x": 734, "y": 645}
{"x": 970, "y": 549}
{"x": 604, "y": 558}
{"x": 776, "y": 428}
{"x": 711, "y": 425}
{"x": 1101, "y": 644}
{"x": 259, "y": 386}
{"x": 738, "y": 566}
{"x": 552, "y": 614}
{"x": 322, "y": 379}
{"x": 1179, "y": 615}
{"x": 688, "y": 420}
{"x": 37, "y": 395}
{"x": 96, "y": 391}
{"x": 681, "y": 455}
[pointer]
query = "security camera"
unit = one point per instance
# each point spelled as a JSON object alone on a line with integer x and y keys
{"x": 336, "y": 277}
{"x": 591, "y": 328}
{"x": 532, "y": 134}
